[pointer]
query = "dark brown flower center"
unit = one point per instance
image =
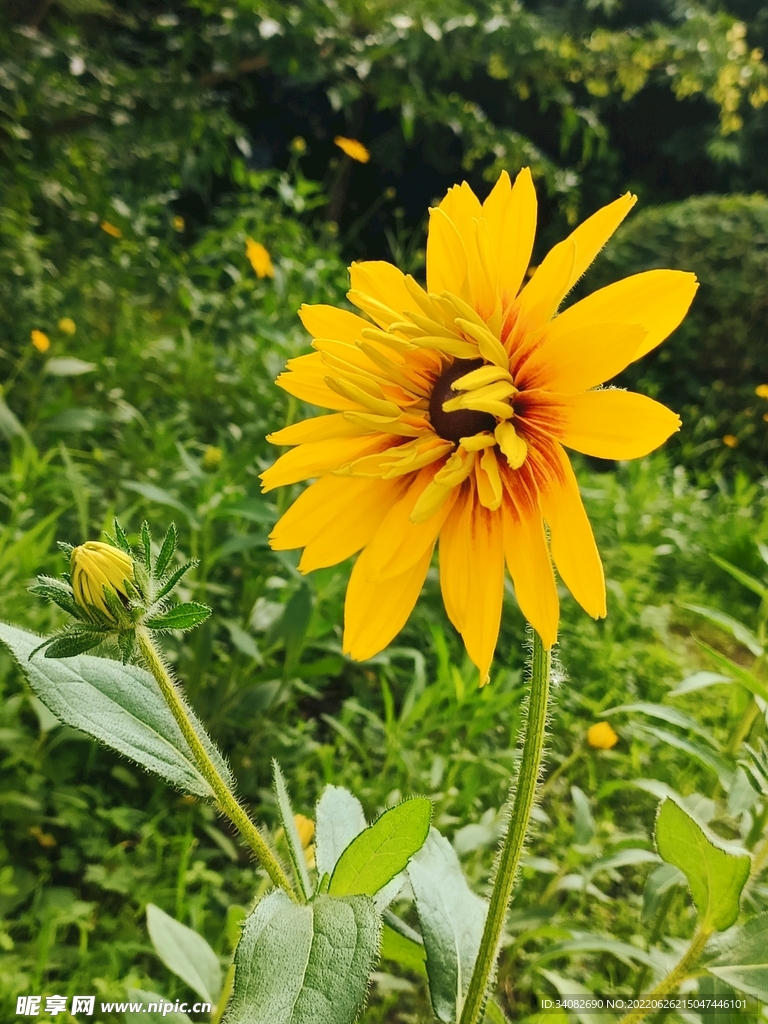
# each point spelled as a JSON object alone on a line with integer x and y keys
{"x": 464, "y": 422}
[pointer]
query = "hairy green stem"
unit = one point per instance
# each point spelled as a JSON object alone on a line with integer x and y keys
{"x": 520, "y": 802}
{"x": 673, "y": 979}
{"x": 226, "y": 799}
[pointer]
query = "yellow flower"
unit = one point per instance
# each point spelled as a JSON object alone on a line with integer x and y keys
{"x": 259, "y": 258}
{"x": 212, "y": 457}
{"x": 453, "y": 407}
{"x": 67, "y": 325}
{"x": 601, "y": 736}
{"x": 178, "y": 223}
{"x": 354, "y": 149}
{"x": 94, "y": 566}
{"x": 298, "y": 145}
{"x": 111, "y": 229}
{"x": 762, "y": 390}
{"x": 41, "y": 341}
{"x": 731, "y": 440}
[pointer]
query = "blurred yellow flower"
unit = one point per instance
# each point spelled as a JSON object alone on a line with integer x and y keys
{"x": 94, "y": 566}
{"x": 354, "y": 149}
{"x": 67, "y": 325}
{"x": 762, "y": 390}
{"x": 259, "y": 258}
{"x": 41, "y": 341}
{"x": 212, "y": 457}
{"x": 601, "y": 736}
{"x": 731, "y": 440}
{"x": 178, "y": 223}
{"x": 111, "y": 229}
{"x": 306, "y": 829}
{"x": 298, "y": 145}
{"x": 452, "y": 408}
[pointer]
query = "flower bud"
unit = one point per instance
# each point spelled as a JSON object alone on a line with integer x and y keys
{"x": 601, "y": 736}
{"x": 94, "y": 566}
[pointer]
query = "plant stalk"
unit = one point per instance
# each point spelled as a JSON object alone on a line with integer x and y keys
{"x": 226, "y": 799}
{"x": 673, "y": 979}
{"x": 520, "y": 802}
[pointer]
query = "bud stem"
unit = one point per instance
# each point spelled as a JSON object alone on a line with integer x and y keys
{"x": 226, "y": 799}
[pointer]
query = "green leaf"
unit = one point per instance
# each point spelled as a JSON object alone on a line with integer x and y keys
{"x": 145, "y": 538}
{"x": 452, "y": 919}
{"x": 76, "y": 640}
{"x": 183, "y": 616}
{"x": 166, "y": 551}
{"x": 175, "y": 577}
{"x": 737, "y": 629}
{"x": 666, "y": 714}
{"x": 339, "y": 818}
{"x": 295, "y": 848}
{"x": 716, "y": 874}
{"x": 304, "y": 964}
{"x": 185, "y": 953}
{"x": 382, "y": 851}
{"x": 589, "y": 943}
{"x": 292, "y": 626}
{"x": 741, "y": 675}
{"x": 657, "y": 885}
{"x": 743, "y": 577}
{"x": 154, "y": 493}
{"x": 583, "y": 822}
{"x": 119, "y": 705}
{"x": 140, "y": 1016}
{"x": 706, "y": 755}
{"x": 699, "y": 681}
{"x": 405, "y": 952}
{"x": 744, "y": 964}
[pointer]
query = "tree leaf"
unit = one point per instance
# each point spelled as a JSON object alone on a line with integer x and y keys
{"x": 119, "y": 705}
{"x": 185, "y": 953}
{"x": 716, "y": 875}
{"x": 304, "y": 964}
{"x": 182, "y": 616}
{"x": 339, "y": 817}
{"x": 295, "y": 849}
{"x": 452, "y": 919}
{"x": 382, "y": 851}
{"x": 744, "y": 965}
{"x": 137, "y": 995}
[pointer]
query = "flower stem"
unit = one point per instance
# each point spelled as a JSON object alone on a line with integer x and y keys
{"x": 226, "y": 799}
{"x": 673, "y": 979}
{"x": 520, "y": 801}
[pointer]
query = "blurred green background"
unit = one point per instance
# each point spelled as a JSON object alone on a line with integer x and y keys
{"x": 142, "y": 144}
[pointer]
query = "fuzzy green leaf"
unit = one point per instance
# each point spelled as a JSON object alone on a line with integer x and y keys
{"x": 121, "y": 539}
{"x": 744, "y": 964}
{"x": 452, "y": 919}
{"x": 382, "y": 851}
{"x": 295, "y": 849}
{"x": 339, "y": 817}
{"x": 166, "y": 551}
{"x": 716, "y": 874}
{"x": 175, "y": 578}
{"x": 304, "y": 964}
{"x": 119, "y": 705}
{"x": 184, "y": 616}
{"x": 76, "y": 640}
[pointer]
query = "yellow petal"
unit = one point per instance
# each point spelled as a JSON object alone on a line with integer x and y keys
{"x": 614, "y": 424}
{"x": 513, "y": 446}
{"x": 321, "y": 428}
{"x": 333, "y": 518}
{"x": 329, "y": 322}
{"x": 463, "y": 207}
{"x": 383, "y": 282}
{"x": 488, "y": 480}
{"x": 484, "y": 588}
{"x": 572, "y": 361}
{"x": 320, "y": 457}
{"x": 456, "y": 560}
{"x": 446, "y": 257}
{"x": 305, "y": 379}
{"x": 571, "y": 538}
{"x": 399, "y": 542}
{"x": 539, "y": 300}
{"x": 657, "y": 299}
{"x": 511, "y": 215}
{"x": 591, "y": 235}
{"x": 529, "y": 564}
{"x": 374, "y": 613}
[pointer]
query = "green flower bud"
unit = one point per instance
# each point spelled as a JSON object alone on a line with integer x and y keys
{"x": 94, "y": 566}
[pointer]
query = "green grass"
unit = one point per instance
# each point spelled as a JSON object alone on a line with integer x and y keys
{"x": 87, "y": 840}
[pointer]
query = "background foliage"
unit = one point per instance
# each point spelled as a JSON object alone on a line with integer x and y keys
{"x": 141, "y": 145}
